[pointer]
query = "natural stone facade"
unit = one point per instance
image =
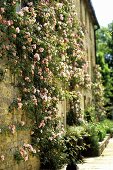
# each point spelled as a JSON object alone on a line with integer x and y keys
{"x": 10, "y": 141}
{"x": 87, "y": 17}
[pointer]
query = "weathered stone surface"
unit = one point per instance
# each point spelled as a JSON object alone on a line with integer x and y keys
{"x": 9, "y": 142}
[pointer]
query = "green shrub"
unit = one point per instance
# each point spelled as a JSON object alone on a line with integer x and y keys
{"x": 53, "y": 155}
{"x": 101, "y": 131}
{"x": 74, "y": 144}
{"x": 89, "y": 114}
{"x": 91, "y": 141}
{"x": 96, "y": 133}
{"x": 108, "y": 124}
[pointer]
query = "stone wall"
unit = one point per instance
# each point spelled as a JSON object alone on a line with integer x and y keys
{"x": 89, "y": 44}
{"x": 11, "y": 141}
{"x": 11, "y": 137}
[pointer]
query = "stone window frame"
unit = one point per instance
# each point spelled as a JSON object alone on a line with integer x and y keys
{"x": 20, "y": 4}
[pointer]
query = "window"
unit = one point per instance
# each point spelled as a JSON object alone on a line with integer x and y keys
{"x": 18, "y": 6}
{"x": 21, "y": 4}
{"x": 85, "y": 104}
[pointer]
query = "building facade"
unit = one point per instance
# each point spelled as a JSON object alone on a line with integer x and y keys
{"x": 9, "y": 141}
{"x": 87, "y": 18}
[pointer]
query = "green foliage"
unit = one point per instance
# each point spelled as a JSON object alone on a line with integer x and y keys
{"x": 52, "y": 154}
{"x": 51, "y": 147}
{"x": 24, "y": 152}
{"x": 108, "y": 125}
{"x": 43, "y": 47}
{"x": 75, "y": 110}
{"x": 98, "y": 94}
{"x": 89, "y": 114}
{"x": 105, "y": 60}
{"x": 96, "y": 133}
{"x": 91, "y": 140}
{"x": 74, "y": 144}
{"x": 18, "y": 157}
{"x": 101, "y": 131}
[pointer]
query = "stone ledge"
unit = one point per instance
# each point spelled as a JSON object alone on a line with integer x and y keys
{"x": 103, "y": 144}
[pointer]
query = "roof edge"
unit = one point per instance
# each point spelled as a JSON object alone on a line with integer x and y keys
{"x": 97, "y": 26}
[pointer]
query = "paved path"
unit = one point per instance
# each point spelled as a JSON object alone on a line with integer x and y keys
{"x": 103, "y": 162}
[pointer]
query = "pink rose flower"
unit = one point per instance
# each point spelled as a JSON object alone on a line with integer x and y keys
{"x": 42, "y": 124}
{"x": 20, "y": 13}
{"x": 24, "y": 154}
{"x": 12, "y": 128}
{"x": 2, "y": 157}
{"x": 30, "y": 3}
{"x": 17, "y": 29}
{"x": 0, "y": 17}
{"x": 10, "y": 22}
{"x": 22, "y": 123}
{"x": 27, "y": 79}
{"x": 36, "y": 57}
{"x": 25, "y": 9}
{"x": 14, "y": 35}
{"x": 20, "y": 105}
{"x": 34, "y": 46}
{"x": 35, "y": 101}
{"x": 26, "y": 158}
{"x": 19, "y": 99}
{"x": 41, "y": 49}
{"x": 2, "y": 10}
{"x": 61, "y": 17}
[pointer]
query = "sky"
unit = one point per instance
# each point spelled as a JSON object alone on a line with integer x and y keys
{"x": 104, "y": 11}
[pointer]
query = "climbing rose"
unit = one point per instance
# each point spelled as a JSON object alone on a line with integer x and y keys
{"x": 41, "y": 49}
{"x": 17, "y": 29}
{"x": 2, "y": 157}
{"x": 20, "y": 105}
{"x": 36, "y": 57}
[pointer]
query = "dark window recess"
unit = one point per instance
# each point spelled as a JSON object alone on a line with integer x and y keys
{"x": 25, "y": 2}
{"x": 85, "y": 104}
{"x": 22, "y": 3}
{"x": 1, "y": 74}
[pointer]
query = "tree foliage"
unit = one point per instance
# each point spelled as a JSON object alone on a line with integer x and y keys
{"x": 105, "y": 60}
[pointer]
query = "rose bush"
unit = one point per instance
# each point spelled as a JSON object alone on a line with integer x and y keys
{"x": 43, "y": 47}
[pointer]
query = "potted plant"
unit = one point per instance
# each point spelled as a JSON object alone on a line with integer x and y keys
{"x": 74, "y": 145}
